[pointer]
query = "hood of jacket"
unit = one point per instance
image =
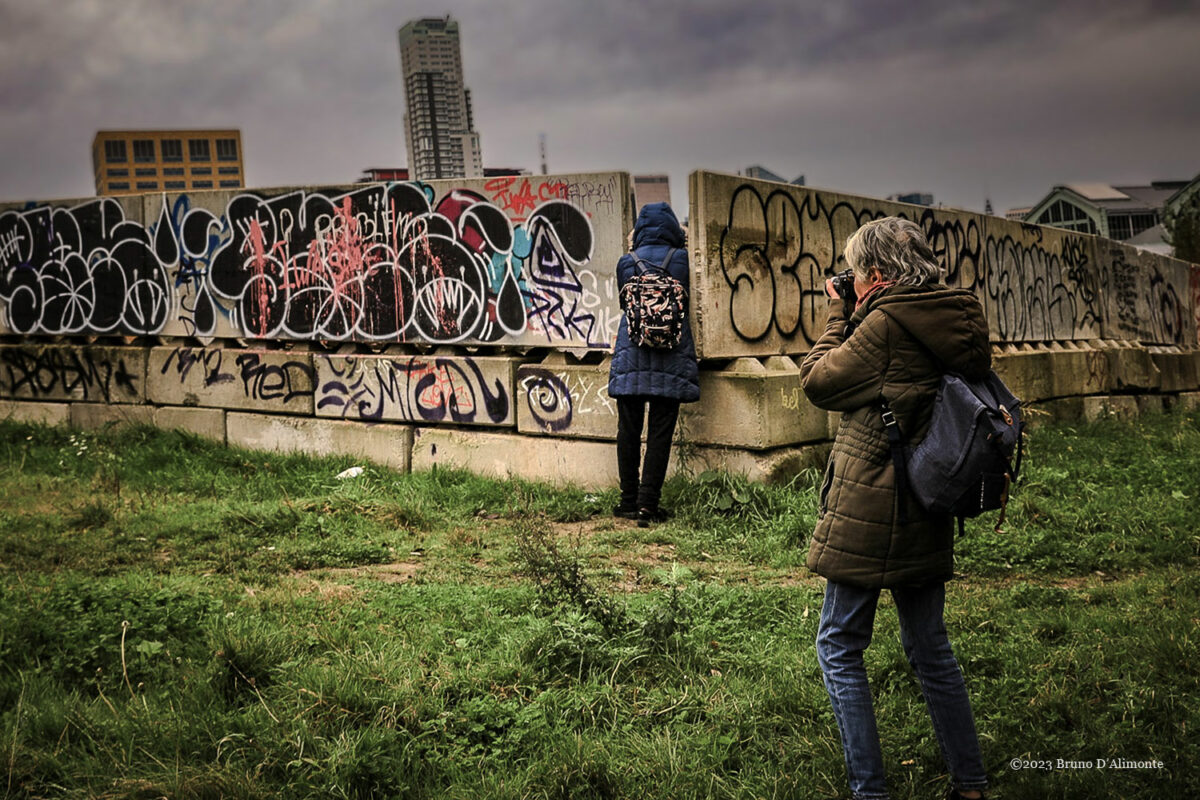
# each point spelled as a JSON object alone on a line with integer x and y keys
{"x": 947, "y": 322}
{"x": 657, "y": 224}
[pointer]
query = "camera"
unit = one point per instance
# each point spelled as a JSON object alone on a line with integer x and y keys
{"x": 843, "y": 284}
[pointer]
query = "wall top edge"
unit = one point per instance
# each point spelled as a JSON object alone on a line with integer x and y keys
{"x": 25, "y": 203}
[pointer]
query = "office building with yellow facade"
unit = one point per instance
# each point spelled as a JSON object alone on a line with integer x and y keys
{"x": 133, "y": 162}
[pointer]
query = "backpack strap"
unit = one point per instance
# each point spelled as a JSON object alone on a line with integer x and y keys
{"x": 660, "y": 267}
{"x": 896, "y": 442}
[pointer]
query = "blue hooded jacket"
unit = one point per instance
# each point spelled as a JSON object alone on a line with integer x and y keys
{"x": 643, "y": 370}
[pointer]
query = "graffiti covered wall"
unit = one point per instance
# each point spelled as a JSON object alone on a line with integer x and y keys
{"x": 769, "y": 247}
{"x": 466, "y": 322}
{"x": 526, "y": 261}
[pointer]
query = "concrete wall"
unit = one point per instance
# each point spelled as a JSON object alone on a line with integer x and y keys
{"x": 468, "y": 323}
{"x": 762, "y": 251}
{"x": 523, "y": 261}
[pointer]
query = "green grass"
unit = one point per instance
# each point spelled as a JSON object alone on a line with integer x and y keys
{"x": 180, "y": 619}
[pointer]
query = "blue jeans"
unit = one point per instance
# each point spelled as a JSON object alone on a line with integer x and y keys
{"x": 847, "y": 619}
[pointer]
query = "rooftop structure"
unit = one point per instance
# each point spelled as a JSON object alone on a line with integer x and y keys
{"x": 1116, "y": 212}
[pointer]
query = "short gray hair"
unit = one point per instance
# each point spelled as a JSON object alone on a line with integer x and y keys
{"x": 897, "y": 248}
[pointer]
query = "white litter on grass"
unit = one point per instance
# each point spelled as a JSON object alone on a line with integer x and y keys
{"x": 353, "y": 472}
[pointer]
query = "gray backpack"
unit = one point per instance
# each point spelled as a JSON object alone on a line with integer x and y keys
{"x": 971, "y": 455}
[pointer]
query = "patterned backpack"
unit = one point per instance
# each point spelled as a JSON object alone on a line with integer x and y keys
{"x": 655, "y": 304}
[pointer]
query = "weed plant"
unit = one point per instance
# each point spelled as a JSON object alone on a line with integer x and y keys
{"x": 184, "y": 620}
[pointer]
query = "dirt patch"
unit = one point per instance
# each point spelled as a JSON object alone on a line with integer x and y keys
{"x": 587, "y": 528}
{"x": 398, "y": 572}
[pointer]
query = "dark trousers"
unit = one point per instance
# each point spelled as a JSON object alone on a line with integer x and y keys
{"x": 631, "y": 412}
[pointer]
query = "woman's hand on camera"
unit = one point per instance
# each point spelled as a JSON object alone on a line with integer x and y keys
{"x": 829, "y": 290}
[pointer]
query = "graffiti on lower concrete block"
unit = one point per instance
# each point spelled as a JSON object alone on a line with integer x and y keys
{"x": 66, "y": 373}
{"x": 415, "y": 389}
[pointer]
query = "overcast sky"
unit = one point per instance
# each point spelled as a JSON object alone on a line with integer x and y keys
{"x": 998, "y": 98}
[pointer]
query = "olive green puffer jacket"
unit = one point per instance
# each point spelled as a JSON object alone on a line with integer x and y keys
{"x": 906, "y": 336}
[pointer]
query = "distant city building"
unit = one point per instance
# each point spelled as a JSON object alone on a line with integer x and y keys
{"x": 651, "y": 189}
{"x": 383, "y": 175}
{"x": 439, "y": 129}
{"x": 759, "y": 172}
{"x": 916, "y": 198}
{"x": 1018, "y": 214}
{"x": 1116, "y": 212}
{"x": 134, "y": 161}
{"x": 503, "y": 172}
{"x": 400, "y": 174}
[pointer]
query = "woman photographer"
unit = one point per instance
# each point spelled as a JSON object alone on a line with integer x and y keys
{"x": 889, "y": 341}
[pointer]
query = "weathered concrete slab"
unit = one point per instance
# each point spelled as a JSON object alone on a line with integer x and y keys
{"x": 752, "y": 409}
{"x": 560, "y": 462}
{"x": 778, "y": 465}
{"x": 92, "y": 416}
{"x": 561, "y": 399}
{"x": 263, "y": 380}
{"x": 526, "y": 260}
{"x": 70, "y": 372}
{"x": 761, "y": 252}
{"x": 1147, "y": 296}
{"x": 389, "y": 445}
{"x": 206, "y": 422}
{"x": 1042, "y": 372}
{"x": 1132, "y": 367}
{"x": 747, "y": 404}
{"x": 29, "y": 411}
{"x": 1039, "y": 284}
{"x": 80, "y": 266}
{"x": 1119, "y": 406}
{"x": 592, "y": 464}
{"x": 461, "y": 390}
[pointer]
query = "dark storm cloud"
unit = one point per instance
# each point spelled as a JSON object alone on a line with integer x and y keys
{"x": 874, "y": 97}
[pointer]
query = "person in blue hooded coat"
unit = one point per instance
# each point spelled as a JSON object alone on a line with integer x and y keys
{"x": 644, "y": 379}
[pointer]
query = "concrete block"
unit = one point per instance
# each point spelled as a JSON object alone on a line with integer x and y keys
{"x": 73, "y": 372}
{"x": 206, "y": 422}
{"x": 761, "y": 252}
{"x": 560, "y": 399}
{"x": 560, "y": 462}
{"x": 389, "y": 445}
{"x": 263, "y": 380}
{"x": 1119, "y": 406}
{"x": 1189, "y": 401}
{"x": 778, "y": 465}
{"x": 91, "y": 416}
{"x": 1133, "y": 368}
{"x": 755, "y": 410}
{"x": 1030, "y": 376}
{"x": 461, "y": 390}
{"x": 1036, "y": 283}
{"x": 743, "y": 405}
{"x": 1179, "y": 370}
{"x": 1043, "y": 374}
{"x": 42, "y": 413}
{"x": 1151, "y": 403}
{"x": 1064, "y": 409}
{"x": 352, "y": 261}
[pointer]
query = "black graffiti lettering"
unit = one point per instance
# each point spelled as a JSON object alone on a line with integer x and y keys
{"x": 437, "y": 390}
{"x": 184, "y": 358}
{"x": 283, "y": 382}
{"x": 58, "y": 372}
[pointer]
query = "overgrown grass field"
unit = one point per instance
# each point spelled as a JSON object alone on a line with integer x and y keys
{"x": 178, "y": 619}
